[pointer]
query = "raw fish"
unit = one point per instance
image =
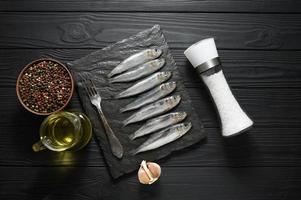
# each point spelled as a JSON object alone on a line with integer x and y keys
{"x": 145, "y": 84}
{"x": 163, "y": 137}
{"x": 135, "y": 60}
{"x": 151, "y": 96}
{"x": 158, "y": 123}
{"x": 141, "y": 71}
{"x": 154, "y": 109}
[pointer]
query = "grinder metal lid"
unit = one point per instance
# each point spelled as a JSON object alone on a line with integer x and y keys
{"x": 202, "y": 54}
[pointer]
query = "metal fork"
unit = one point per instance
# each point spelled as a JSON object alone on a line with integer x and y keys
{"x": 95, "y": 99}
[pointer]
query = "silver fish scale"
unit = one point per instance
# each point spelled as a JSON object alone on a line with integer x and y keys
{"x": 145, "y": 84}
{"x": 151, "y": 96}
{"x": 140, "y": 72}
{"x": 154, "y": 109}
{"x": 135, "y": 60}
{"x": 163, "y": 137}
{"x": 158, "y": 123}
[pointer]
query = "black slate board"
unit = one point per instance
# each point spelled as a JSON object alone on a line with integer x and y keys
{"x": 98, "y": 64}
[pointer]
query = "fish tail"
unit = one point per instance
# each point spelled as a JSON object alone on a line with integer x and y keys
{"x": 126, "y": 108}
{"x": 112, "y": 80}
{"x": 118, "y": 96}
{"x": 123, "y": 109}
{"x": 110, "y": 74}
{"x": 126, "y": 122}
{"x": 132, "y": 136}
{"x": 121, "y": 95}
{"x": 134, "y": 151}
{"x": 116, "y": 70}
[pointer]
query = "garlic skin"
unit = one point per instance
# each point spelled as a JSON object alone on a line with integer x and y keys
{"x": 149, "y": 172}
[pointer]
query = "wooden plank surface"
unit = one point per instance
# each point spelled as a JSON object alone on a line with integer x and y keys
{"x": 268, "y": 107}
{"x": 56, "y": 183}
{"x": 260, "y": 47}
{"x": 254, "y": 6}
{"x": 244, "y": 69}
{"x": 267, "y": 84}
{"x": 96, "y": 30}
{"x": 260, "y": 147}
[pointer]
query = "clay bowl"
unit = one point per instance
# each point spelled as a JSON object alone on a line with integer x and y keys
{"x": 51, "y": 95}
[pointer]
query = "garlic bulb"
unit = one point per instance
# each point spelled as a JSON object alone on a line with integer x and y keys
{"x": 148, "y": 172}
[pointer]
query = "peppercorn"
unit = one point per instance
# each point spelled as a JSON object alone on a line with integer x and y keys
{"x": 45, "y": 86}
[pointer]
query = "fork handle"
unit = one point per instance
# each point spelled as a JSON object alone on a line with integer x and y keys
{"x": 115, "y": 144}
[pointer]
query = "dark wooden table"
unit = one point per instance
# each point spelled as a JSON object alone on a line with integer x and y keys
{"x": 260, "y": 46}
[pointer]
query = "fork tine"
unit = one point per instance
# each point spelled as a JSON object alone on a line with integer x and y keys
{"x": 90, "y": 83}
{"x": 84, "y": 81}
{"x": 93, "y": 87}
{"x": 82, "y": 78}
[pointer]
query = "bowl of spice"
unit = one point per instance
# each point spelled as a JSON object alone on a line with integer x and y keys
{"x": 45, "y": 86}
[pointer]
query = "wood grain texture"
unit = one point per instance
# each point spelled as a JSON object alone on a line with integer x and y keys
{"x": 255, "y": 6}
{"x": 266, "y": 83}
{"x": 259, "y": 147}
{"x": 259, "y": 43}
{"x": 96, "y": 30}
{"x": 176, "y": 183}
{"x": 268, "y": 107}
{"x": 244, "y": 69}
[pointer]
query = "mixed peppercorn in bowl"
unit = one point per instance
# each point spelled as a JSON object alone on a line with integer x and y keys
{"x": 45, "y": 86}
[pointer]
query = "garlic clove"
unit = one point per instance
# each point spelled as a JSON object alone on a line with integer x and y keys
{"x": 142, "y": 176}
{"x": 149, "y": 172}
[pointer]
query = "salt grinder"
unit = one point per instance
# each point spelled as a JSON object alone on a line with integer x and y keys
{"x": 204, "y": 58}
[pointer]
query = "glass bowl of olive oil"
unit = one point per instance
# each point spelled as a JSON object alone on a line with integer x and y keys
{"x": 64, "y": 131}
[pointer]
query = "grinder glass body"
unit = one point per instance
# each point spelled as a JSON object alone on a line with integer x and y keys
{"x": 204, "y": 58}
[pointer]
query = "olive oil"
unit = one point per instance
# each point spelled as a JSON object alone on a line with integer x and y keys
{"x": 64, "y": 131}
{"x": 86, "y": 129}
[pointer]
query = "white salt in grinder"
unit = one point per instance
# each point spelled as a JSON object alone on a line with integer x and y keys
{"x": 204, "y": 58}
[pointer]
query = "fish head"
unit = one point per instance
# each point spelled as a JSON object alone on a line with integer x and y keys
{"x": 173, "y": 100}
{"x": 170, "y": 86}
{"x": 179, "y": 116}
{"x": 158, "y": 63}
{"x": 161, "y": 62}
{"x": 163, "y": 76}
{"x": 154, "y": 53}
{"x": 184, "y": 128}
